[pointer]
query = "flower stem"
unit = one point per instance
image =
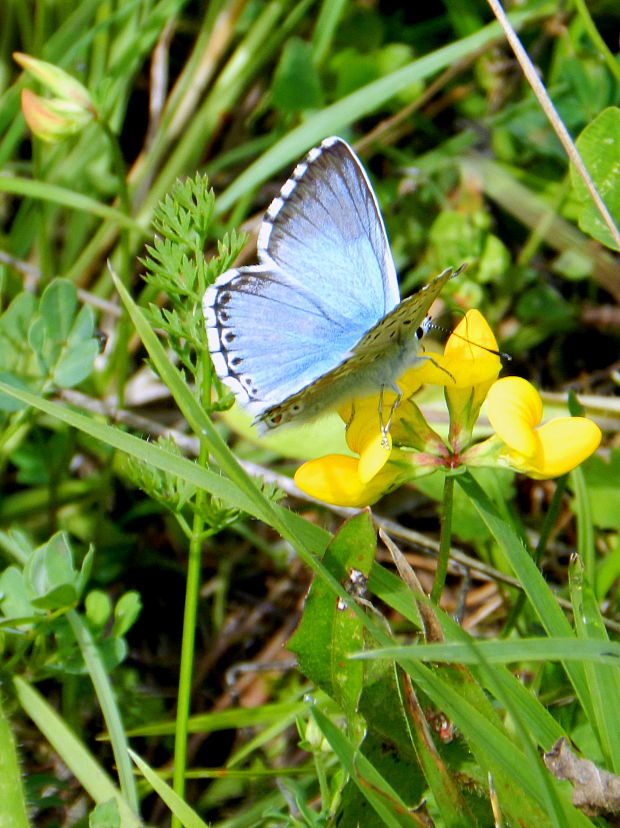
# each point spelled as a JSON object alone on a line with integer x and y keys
{"x": 192, "y": 590}
{"x": 445, "y": 540}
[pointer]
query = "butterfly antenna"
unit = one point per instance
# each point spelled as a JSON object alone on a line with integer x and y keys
{"x": 432, "y": 326}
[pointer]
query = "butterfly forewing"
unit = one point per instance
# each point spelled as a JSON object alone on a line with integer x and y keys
{"x": 403, "y": 322}
{"x": 326, "y": 231}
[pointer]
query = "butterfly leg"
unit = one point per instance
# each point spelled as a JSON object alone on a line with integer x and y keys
{"x": 385, "y": 428}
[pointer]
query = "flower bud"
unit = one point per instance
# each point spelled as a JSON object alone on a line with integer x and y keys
{"x": 56, "y": 80}
{"x": 53, "y": 119}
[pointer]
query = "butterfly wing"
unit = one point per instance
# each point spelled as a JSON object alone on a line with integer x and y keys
{"x": 328, "y": 205}
{"x": 326, "y": 277}
{"x": 377, "y": 361}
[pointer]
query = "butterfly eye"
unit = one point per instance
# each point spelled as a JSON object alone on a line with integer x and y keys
{"x": 420, "y": 332}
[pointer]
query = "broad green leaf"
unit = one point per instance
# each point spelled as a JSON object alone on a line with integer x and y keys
{"x": 14, "y": 594}
{"x": 57, "y": 306}
{"x": 51, "y": 575}
{"x": 105, "y": 815}
{"x": 296, "y": 85}
{"x": 328, "y": 630}
{"x": 126, "y": 612}
{"x": 75, "y": 364}
{"x": 599, "y": 146}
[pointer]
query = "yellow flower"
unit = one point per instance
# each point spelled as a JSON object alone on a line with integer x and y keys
{"x": 515, "y": 409}
{"x": 464, "y": 368}
{"x": 471, "y": 357}
{"x": 335, "y": 479}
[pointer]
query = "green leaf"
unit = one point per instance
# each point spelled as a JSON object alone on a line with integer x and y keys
{"x": 57, "y": 308}
{"x": 603, "y": 678}
{"x": 75, "y": 364}
{"x": 296, "y": 85}
{"x": 14, "y": 594}
{"x": 601, "y": 476}
{"x": 186, "y": 815}
{"x": 98, "y": 608}
{"x": 377, "y": 790}
{"x": 328, "y": 630}
{"x": 12, "y": 801}
{"x": 331, "y": 119}
{"x": 538, "y": 592}
{"x": 8, "y": 403}
{"x": 599, "y": 146}
{"x": 126, "y": 611}
{"x": 105, "y": 815}
{"x": 69, "y": 198}
{"x": 50, "y": 574}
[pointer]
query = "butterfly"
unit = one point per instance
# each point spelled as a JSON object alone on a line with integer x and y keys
{"x": 319, "y": 321}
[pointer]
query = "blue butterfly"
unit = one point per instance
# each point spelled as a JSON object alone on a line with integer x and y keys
{"x": 319, "y": 321}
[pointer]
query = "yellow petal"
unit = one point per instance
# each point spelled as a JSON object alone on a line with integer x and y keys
{"x": 472, "y": 332}
{"x": 514, "y": 409}
{"x": 363, "y": 422}
{"x": 431, "y": 369}
{"x": 363, "y": 413}
{"x": 335, "y": 479}
{"x": 374, "y": 456}
{"x": 564, "y": 444}
{"x": 468, "y": 351}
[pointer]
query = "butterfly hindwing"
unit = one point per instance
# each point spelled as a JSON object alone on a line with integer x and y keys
{"x": 376, "y": 361}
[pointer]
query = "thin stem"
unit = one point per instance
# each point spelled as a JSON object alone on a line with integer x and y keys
{"x": 189, "y": 614}
{"x": 445, "y": 541}
{"x": 552, "y": 114}
{"x": 187, "y": 644}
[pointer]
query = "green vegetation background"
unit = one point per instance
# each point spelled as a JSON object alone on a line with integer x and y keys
{"x": 139, "y": 587}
